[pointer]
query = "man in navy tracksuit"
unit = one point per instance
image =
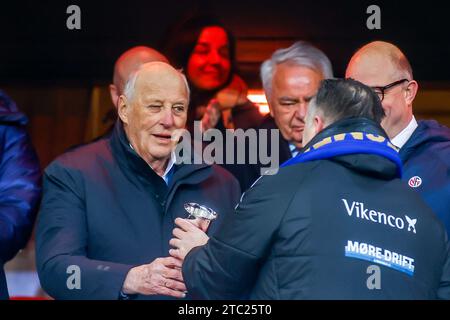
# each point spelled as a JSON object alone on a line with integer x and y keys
{"x": 424, "y": 145}
{"x": 335, "y": 222}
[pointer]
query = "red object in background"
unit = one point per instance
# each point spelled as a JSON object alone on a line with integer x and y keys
{"x": 29, "y": 298}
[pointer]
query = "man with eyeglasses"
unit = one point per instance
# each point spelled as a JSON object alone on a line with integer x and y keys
{"x": 424, "y": 145}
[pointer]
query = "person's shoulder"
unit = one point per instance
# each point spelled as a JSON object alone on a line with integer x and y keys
{"x": 6, "y": 103}
{"x": 223, "y": 174}
{"x": 288, "y": 177}
{"x": 247, "y": 115}
{"x": 430, "y": 139}
{"x": 433, "y": 125}
{"x": 248, "y": 107}
{"x": 11, "y": 129}
{"x": 413, "y": 202}
{"x": 82, "y": 157}
{"x": 431, "y": 132}
{"x": 277, "y": 188}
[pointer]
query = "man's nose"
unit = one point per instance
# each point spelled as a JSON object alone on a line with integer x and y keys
{"x": 167, "y": 119}
{"x": 300, "y": 112}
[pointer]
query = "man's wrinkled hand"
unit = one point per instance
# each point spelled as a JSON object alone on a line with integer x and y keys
{"x": 161, "y": 277}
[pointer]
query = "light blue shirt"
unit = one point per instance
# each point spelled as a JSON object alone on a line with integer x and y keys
{"x": 168, "y": 173}
{"x": 294, "y": 150}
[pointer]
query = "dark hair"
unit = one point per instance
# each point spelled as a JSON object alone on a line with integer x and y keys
{"x": 182, "y": 38}
{"x": 338, "y": 99}
{"x": 180, "y": 44}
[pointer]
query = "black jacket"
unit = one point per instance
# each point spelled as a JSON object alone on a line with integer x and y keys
{"x": 245, "y": 116}
{"x": 247, "y": 173}
{"x": 312, "y": 230}
{"x": 105, "y": 210}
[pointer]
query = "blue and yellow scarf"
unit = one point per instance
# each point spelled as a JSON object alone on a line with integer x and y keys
{"x": 349, "y": 143}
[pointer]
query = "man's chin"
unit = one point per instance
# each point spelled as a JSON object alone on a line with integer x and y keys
{"x": 298, "y": 145}
{"x": 297, "y": 140}
{"x": 160, "y": 151}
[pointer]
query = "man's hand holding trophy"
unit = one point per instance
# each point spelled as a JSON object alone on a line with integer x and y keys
{"x": 191, "y": 232}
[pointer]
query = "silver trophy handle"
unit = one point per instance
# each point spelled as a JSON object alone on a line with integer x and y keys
{"x": 198, "y": 211}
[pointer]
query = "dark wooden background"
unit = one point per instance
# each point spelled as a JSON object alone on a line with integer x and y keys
{"x": 51, "y": 71}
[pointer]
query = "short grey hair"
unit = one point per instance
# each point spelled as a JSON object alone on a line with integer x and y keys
{"x": 130, "y": 85}
{"x": 301, "y": 53}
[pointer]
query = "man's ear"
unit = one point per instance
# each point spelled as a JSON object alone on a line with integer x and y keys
{"x": 411, "y": 91}
{"x": 271, "y": 112}
{"x": 319, "y": 124}
{"x": 122, "y": 108}
{"x": 114, "y": 95}
{"x": 270, "y": 108}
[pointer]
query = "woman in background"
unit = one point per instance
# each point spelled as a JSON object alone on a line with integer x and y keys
{"x": 205, "y": 50}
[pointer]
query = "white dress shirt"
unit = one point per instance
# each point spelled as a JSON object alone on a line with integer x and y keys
{"x": 404, "y": 135}
{"x": 168, "y": 173}
{"x": 293, "y": 149}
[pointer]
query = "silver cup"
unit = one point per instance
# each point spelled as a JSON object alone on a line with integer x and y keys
{"x": 196, "y": 210}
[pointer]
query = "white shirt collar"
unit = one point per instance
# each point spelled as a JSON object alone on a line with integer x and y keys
{"x": 400, "y": 139}
{"x": 293, "y": 149}
{"x": 166, "y": 175}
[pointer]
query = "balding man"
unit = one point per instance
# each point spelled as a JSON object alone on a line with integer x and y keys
{"x": 424, "y": 145}
{"x": 109, "y": 207}
{"x": 126, "y": 64}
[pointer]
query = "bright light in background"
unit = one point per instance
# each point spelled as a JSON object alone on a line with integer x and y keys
{"x": 258, "y": 97}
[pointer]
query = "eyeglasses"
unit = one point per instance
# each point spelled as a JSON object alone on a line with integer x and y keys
{"x": 380, "y": 91}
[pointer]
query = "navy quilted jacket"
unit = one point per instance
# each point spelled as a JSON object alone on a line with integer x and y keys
{"x": 19, "y": 184}
{"x": 426, "y": 159}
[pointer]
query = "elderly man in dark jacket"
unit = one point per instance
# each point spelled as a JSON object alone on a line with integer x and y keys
{"x": 108, "y": 208}
{"x": 290, "y": 77}
{"x": 336, "y": 222}
{"x": 19, "y": 184}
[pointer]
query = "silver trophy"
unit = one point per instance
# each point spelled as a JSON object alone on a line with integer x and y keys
{"x": 196, "y": 210}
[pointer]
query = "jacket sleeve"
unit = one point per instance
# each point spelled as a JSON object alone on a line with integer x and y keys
{"x": 227, "y": 266}
{"x": 444, "y": 286}
{"x": 235, "y": 192}
{"x": 20, "y": 189}
{"x": 64, "y": 269}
